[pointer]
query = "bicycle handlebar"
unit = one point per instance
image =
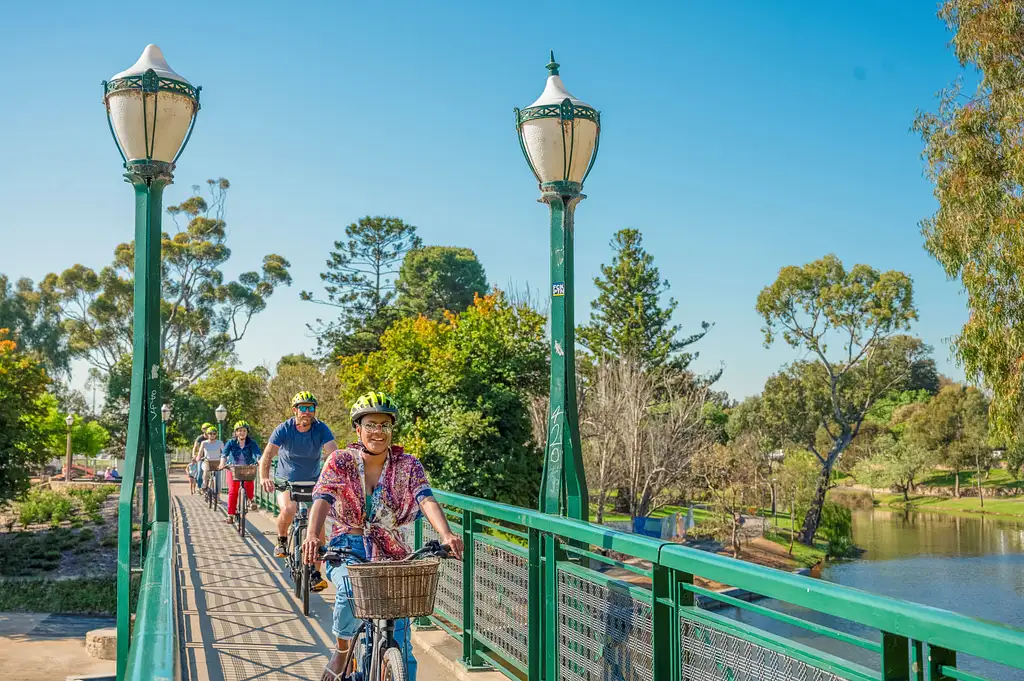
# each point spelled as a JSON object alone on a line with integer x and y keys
{"x": 432, "y": 548}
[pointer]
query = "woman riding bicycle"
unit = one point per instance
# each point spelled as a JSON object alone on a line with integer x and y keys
{"x": 371, "y": 490}
{"x": 242, "y": 450}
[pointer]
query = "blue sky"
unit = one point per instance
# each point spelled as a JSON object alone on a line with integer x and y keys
{"x": 738, "y": 137}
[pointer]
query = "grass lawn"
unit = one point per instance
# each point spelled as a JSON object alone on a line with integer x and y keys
{"x": 1010, "y": 507}
{"x": 997, "y": 477}
{"x": 699, "y": 514}
{"x": 807, "y": 556}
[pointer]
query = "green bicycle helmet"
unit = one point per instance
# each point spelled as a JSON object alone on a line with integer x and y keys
{"x": 206, "y": 426}
{"x": 241, "y": 424}
{"x": 373, "y": 403}
{"x": 304, "y": 397}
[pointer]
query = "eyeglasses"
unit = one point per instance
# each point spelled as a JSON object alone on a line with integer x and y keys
{"x": 306, "y": 408}
{"x": 385, "y": 428}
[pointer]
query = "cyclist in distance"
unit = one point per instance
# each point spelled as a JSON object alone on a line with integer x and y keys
{"x": 211, "y": 450}
{"x": 371, "y": 490}
{"x": 241, "y": 450}
{"x": 197, "y": 449}
{"x": 297, "y": 443}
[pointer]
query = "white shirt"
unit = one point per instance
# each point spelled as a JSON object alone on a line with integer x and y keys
{"x": 213, "y": 451}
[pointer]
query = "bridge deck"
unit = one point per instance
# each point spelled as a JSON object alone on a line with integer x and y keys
{"x": 239, "y": 619}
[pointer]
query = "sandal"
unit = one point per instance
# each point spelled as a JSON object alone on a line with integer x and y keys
{"x": 331, "y": 675}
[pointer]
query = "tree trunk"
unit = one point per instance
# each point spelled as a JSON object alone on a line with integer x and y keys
{"x": 735, "y": 536}
{"x": 905, "y": 497}
{"x": 792, "y": 522}
{"x": 813, "y": 517}
{"x": 601, "y": 498}
{"x": 956, "y": 483}
{"x": 977, "y": 463}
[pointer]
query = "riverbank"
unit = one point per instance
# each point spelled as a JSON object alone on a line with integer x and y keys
{"x": 1010, "y": 508}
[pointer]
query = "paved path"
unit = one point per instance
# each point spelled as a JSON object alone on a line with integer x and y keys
{"x": 42, "y": 647}
{"x": 239, "y": 618}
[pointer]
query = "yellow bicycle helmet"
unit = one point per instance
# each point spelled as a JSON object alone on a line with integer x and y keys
{"x": 373, "y": 403}
{"x": 304, "y": 397}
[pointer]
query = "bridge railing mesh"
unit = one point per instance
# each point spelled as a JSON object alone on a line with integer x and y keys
{"x": 543, "y": 597}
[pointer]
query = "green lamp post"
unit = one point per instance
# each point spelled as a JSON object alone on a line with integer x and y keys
{"x": 559, "y": 135}
{"x": 151, "y": 111}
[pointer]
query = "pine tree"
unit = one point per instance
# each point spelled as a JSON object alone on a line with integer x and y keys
{"x": 628, "y": 318}
{"x": 360, "y": 281}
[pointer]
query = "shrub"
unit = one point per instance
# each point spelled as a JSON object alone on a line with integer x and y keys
{"x": 837, "y": 528}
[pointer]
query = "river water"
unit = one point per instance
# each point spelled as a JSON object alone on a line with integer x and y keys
{"x": 970, "y": 565}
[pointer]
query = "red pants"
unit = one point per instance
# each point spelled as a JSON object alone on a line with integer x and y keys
{"x": 233, "y": 485}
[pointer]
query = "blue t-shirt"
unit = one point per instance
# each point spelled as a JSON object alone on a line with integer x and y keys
{"x": 298, "y": 458}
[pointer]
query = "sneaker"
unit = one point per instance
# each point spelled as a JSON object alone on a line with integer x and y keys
{"x": 317, "y": 583}
{"x": 282, "y": 548}
{"x": 253, "y": 506}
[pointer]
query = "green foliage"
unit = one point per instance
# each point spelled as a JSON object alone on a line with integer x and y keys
{"x": 899, "y": 461}
{"x": 291, "y": 377}
{"x": 972, "y": 148}
{"x": 43, "y": 505}
{"x": 627, "y": 318}
{"x": 359, "y": 281}
{"x": 86, "y": 596}
{"x": 717, "y": 420}
{"x": 955, "y": 426}
{"x": 881, "y": 411}
{"x": 837, "y": 529}
{"x": 241, "y": 392}
{"x": 862, "y": 310}
{"x": 202, "y": 315}
{"x": 463, "y": 385}
{"x": 87, "y": 437}
{"x": 438, "y": 279}
{"x": 33, "y": 319}
{"x": 22, "y": 412}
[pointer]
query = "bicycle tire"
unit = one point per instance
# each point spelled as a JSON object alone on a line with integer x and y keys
{"x": 241, "y": 511}
{"x": 295, "y": 564}
{"x": 306, "y": 570}
{"x": 392, "y": 666}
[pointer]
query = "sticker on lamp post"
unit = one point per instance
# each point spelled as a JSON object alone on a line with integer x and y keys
{"x": 558, "y": 289}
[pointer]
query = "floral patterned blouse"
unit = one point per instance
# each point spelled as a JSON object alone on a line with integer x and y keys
{"x": 394, "y": 502}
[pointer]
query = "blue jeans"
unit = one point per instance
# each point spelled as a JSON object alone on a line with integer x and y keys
{"x": 345, "y": 622}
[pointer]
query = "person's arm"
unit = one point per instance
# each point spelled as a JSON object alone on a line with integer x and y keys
{"x": 435, "y": 514}
{"x": 269, "y": 452}
{"x": 327, "y": 437}
{"x": 311, "y": 542}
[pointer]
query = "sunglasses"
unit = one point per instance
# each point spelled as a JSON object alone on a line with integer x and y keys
{"x": 306, "y": 408}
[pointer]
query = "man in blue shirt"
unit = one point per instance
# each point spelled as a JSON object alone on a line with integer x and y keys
{"x": 300, "y": 444}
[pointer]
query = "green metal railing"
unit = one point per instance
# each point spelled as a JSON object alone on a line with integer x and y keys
{"x": 147, "y": 646}
{"x": 532, "y": 599}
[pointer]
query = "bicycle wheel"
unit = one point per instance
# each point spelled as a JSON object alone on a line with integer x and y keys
{"x": 241, "y": 511}
{"x": 393, "y": 666}
{"x": 306, "y": 569}
{"x": 295, "y": 562}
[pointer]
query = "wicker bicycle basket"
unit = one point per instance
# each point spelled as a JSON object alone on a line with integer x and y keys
{"x": 244, "y": 473}
{"x": 394, "y": 591}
